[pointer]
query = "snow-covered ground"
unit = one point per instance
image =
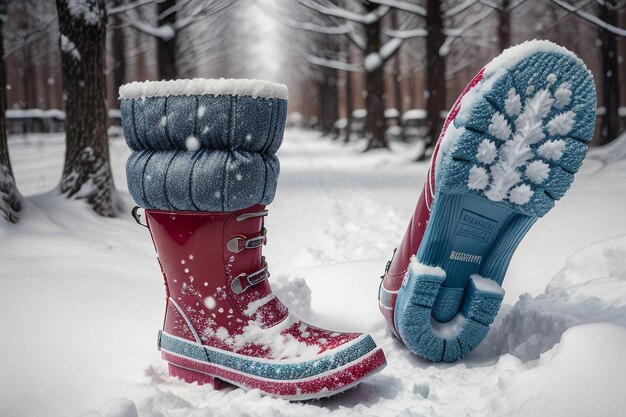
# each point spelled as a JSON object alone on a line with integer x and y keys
{"x": 82, "y": 296}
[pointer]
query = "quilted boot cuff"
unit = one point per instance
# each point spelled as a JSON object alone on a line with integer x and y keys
{"x": 203, "y": 145}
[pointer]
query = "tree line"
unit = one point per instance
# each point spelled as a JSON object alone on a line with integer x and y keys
{"x": 342, "y": 51}
{"x": 435, "y": 40}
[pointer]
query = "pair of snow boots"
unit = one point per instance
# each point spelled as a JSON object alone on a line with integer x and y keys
{"x": 203, "y": 169}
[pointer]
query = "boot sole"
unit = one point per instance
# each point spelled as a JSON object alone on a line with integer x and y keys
{"x": 326, "y": 376}
{"x": 452, "y": 291}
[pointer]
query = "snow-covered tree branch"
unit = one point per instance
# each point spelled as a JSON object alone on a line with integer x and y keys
{"x": 591, "y": 18}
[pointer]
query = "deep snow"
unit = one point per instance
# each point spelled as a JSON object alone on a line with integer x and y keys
{"x": 83, "y": 296}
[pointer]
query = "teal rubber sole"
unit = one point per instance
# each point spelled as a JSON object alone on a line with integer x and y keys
{"x": 512, "y": 151}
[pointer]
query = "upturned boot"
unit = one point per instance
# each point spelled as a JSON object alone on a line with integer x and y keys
{"x": 508, "y": 151}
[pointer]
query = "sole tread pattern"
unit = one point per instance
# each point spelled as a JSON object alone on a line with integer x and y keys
{"x": 514, "y": 148}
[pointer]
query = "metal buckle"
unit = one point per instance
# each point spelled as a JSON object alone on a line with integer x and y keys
{"x": 234, "y": 244}
{"x": 237, "y": 286}
{"x": 138, "y": 216}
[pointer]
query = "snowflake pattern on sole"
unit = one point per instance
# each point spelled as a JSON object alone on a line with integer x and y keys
{"x": 516, "y": 160}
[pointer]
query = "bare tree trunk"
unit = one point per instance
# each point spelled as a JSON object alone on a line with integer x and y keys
{"x": 166, "y": 48}
{"x": 321, "y": 102}
{"x": 10, "y": 199}
{"x": 329, "y": 108}
{"x": 397, "y": 84}
{"x": 375, "y": 87}
{"x": 333, "y": 99}
{"x": 30, "y": 84}
{"x": 397, "y": 67}
{"x": 610, "y": 123}
{"x": 411, "y": 91}
{"x": 504, "y": 25}
{"x": 435, "y": 71}
{"x": 86, "y": 172}
{"x": 118, "y": 45}
{"x": 349, "y": 104}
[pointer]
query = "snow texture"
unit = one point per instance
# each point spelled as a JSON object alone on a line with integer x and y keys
{"x": 87, "y": 10}
{"x": 294, "y": 292}
{"x": 486, "y": 284}
{"x": 552, "y": 149}
{"x": 279, "y": 345}
{"x": 69, "y": 47}
{"x": 341, "y": 123}
{"x": 417, "y": 268}
{"x": 614, "y": 151}
{"x": 478, "y": 178}
{"x": 561, "y": 124}
{"x": 391, "y": 113}
{"x": 499, "y": 127}
{"x": 513, "y": 104}
{"x": 515, "y": 54}
{"x": 359, "y": 113}
{"x": 115, "y": 407}
{"x": 448, "y": 142}
{"x": 372, "y": 62}
{"x": 537, "y": 171}
{"x": 202, "y": 86}
{"x": 591, "y": 288}
{"x": 486, "y": 152}
{"x": 450, "y": 329}
{"x": 520, "y": 194}
{"x": 501, "y": 180}
{"x": 255, "y": 305}
{"x": 414, "y": 114}
{"x": 555, "y": 349}
{"x": 563, "y": 96}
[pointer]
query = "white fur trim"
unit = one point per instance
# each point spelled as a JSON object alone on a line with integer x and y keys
{"x": 201, "y": 86}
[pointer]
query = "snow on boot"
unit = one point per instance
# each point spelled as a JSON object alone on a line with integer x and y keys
{"x": 508, "y": 150}
{"x": 204, "y": 167}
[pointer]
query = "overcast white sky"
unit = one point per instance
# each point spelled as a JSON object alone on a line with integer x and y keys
{"x": 265, "y": 52}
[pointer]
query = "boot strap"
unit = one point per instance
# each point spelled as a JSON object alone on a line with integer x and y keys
{"x": 238, "y": 243}
{"x": 244, "y": 281}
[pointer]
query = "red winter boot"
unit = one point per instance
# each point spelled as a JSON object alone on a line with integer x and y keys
{"x": 204, "y": 167}
{"x": 222, "y": 322}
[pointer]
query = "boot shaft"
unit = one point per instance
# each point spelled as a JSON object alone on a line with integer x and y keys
{"x": 214, "y": 271}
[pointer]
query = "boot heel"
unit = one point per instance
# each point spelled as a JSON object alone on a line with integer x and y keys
{"x": 190, "y": 376}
